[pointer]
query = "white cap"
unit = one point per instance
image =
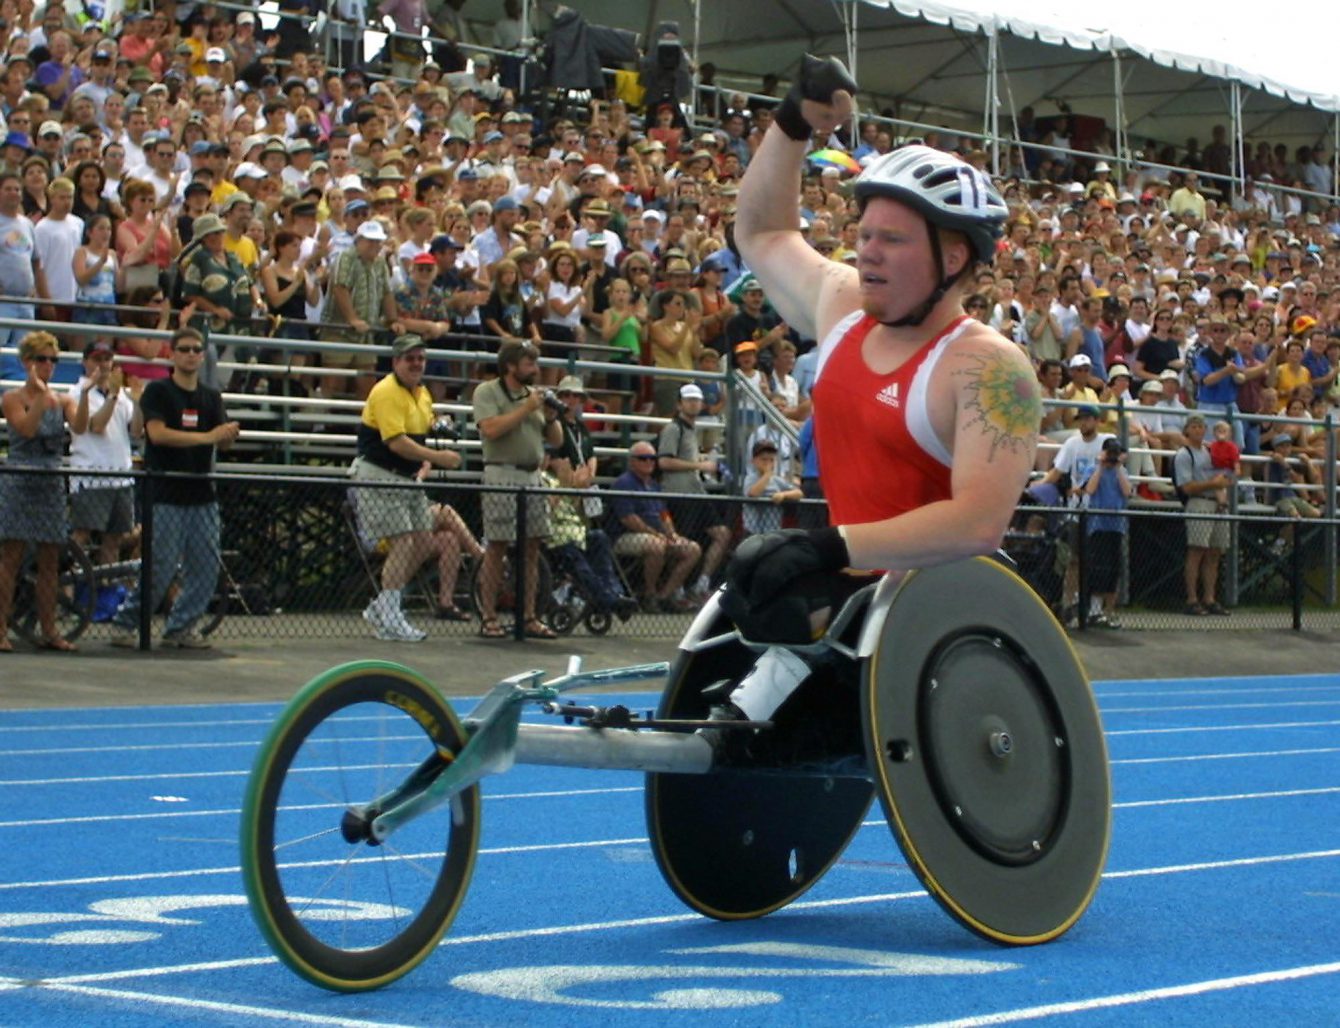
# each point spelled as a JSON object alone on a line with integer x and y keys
{"x": 50, "y": 126}
{"x": 1075, "y": 187}
{"x": 1283, "y": 285}
{"x": 1101, "y": 166}
{"x": 1118, "y": 369}
{"x": 351, "y": 181}
{"x": 1151, "y": 386}
{"x": 252, "y": 141}
{"x": 654, "y": 215}
{"x": 371, "y": 229}
{"x": 690, "y": 392}
{"x": 1270, "y": 293}
{"x": 593, "y": 169}
{"x": 1081, "y": 360}
{"x": 215, "y": 53}
{"x": 1169, "y": 373}
{"x": 246, "y": 18}
{"x": 1126, "y": 198}
{"x": 249, "y": 170}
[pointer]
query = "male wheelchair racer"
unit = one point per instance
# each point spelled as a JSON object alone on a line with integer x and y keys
{"x": 951, "y": 694}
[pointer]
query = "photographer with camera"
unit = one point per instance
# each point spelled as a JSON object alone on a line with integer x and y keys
{"x": 667, "y": 70}
{"x": 1108, "y": 489}
{"x": 516, "y": 421}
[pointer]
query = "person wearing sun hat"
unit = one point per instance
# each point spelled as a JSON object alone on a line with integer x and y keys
{"x": 214, "y": 280}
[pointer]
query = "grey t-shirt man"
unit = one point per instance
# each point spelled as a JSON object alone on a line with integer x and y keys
{"x": 679, "y": 439}
{"x": 523, "y": 446}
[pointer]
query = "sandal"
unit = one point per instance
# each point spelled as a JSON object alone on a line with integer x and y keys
{"x": 58, "y": 644}
{"x": 490, "y": 629}
{"x": 537, "y": 629}
{"x": 1195, "y": 610}
{"x": 451, "y": 613}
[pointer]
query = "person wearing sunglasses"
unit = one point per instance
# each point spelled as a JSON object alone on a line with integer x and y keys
{"x": 185, "y": 424}
{"x": 32, "y": 506}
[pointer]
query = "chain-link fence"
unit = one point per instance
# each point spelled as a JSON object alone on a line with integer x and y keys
{"x": 309, "y": 557}
{"x": 303, "y": 556}
{"x": 1152, "y": 566}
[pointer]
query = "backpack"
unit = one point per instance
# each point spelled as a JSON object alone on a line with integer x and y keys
{"x": 1182, "y": 495}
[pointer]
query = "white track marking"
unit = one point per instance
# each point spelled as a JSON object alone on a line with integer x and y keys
{"x": 1222, "y": 728}
{"x": 1233, "y": 797}
{"x": 1217, "y": 706}
{"x": 1160, "y": 693}
{"x": 1143, "y": 996}
{"x": 645, "y": 922}
{"x": 234, "y": 811}
{"x": 213, "y": 1006}
{"x": 1227, "y": 756}
{"x": 190, "y": 775}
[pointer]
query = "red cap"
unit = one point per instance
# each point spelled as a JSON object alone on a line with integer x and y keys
{"x": 425, "y": 258}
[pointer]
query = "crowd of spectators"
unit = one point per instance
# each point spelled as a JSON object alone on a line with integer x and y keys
{"x": 208, "y": 172}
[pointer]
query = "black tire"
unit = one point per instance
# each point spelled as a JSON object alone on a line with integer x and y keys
{"x": 506, "y": 604}
{"x": 561, "y": 619}
{"x": 345, "y": 913}
{"x": 76, "y": 593}
{"x": 598, "y": 622}
{"x": 217, "y": 610}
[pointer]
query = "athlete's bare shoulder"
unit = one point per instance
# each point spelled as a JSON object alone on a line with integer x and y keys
{"x": 995, "y": 392}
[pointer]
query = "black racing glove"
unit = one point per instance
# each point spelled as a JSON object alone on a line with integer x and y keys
{"x": 776, "y": 579}
{"x": 818, "y": 80}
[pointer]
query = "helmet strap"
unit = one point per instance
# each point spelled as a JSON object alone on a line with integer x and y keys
{"x": 919, "y": 313}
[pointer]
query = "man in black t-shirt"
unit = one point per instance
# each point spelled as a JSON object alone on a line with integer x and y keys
{"x": 184, "y": 423}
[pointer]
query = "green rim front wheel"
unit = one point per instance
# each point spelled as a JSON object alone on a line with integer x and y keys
{"x": 355, "y": 915}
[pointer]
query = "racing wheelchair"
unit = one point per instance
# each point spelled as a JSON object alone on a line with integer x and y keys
{"x": 952, "y": 695}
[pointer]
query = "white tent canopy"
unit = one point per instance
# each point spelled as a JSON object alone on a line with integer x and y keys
{"x": 927, "y": 60}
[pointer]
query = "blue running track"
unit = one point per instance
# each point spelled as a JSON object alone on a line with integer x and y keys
{"x": 121, "y": 901}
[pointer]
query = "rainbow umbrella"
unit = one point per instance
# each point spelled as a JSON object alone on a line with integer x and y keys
{"x": 835, "y": 159}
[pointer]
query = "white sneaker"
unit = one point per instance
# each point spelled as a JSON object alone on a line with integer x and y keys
{"x": 399, "y": 630}
{"x": 375, "y": 613}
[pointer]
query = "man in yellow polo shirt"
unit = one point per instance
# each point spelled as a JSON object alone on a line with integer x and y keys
{"x": 237, "y": 211}
{"x": 392, "y": 435}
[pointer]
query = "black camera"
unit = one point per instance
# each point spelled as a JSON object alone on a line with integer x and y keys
{"x": 552, "y": 401}
{"x": 1112, "y": 450}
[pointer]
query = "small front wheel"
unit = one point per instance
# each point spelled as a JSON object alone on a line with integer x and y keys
{"x": 343, "y": 911}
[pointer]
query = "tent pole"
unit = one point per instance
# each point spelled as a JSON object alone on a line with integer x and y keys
{"x": 525, "y": 34}
{"x": 852, "y": 50}
{"x": 1119, "y": 136}
{"x": 1239, "y": 161}
{"x": 991, "y": 128}
{"x": 697, "y": 33}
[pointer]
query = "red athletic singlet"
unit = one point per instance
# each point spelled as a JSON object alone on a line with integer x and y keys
{"x": 878, "y": 456}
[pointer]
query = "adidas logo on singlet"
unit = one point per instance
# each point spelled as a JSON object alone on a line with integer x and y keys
{"x": 889, "y": 395}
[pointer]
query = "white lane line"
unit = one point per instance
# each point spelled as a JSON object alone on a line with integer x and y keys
{"x": 1215, "y": 865}
{"x": 1125, "y": 999}
{"x": 291, "y": 808}
{"x": 189, "y": 775}
{"x": 214, "y": 1007}
{"x": 1217, "y": 706}
{"x": 235, "y": 811}
{"x": 466, "y": 940}
{"x": 1227, "y": 756}
{"x": 253, "y": 743}
{"x": 1222, "y": 728}
{"x": 1160, "y": 693}
{"x": 1132, "y": 804}
{"x": 643, "y": 922}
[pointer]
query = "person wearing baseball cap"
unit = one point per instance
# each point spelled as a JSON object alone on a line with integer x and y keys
{"x": 683, "y": 467}
{"x": 359, "y": 296}
{"x": 392, "y": 447}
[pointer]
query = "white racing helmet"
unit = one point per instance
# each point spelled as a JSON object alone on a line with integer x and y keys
{"x": 949, "y": 194}
{"x": 946, "y": 191}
